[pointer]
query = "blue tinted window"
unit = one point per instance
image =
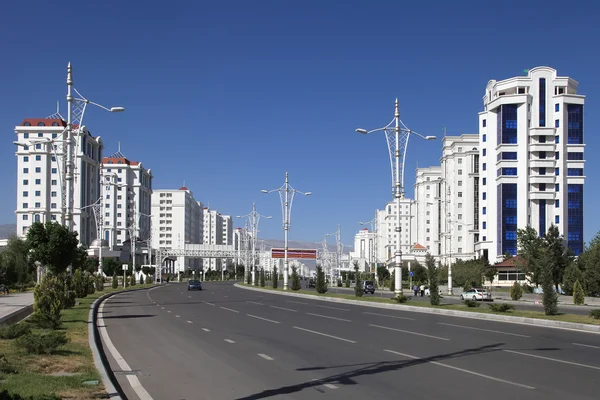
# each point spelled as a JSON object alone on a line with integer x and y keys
{"x": 557, "y": 139}
{"x": 509, "y": 171}
{"x": 557, "y": 187}
{"x": 38, "y": 169}
{"x": 484, "y": 123}
{"x": 507, "y": 124}
{"x": 484, "y": 210}
{"x": 557, "y": 123}
{"x": 542, "y": 101}
{"x": 484, "y": 225}
{"x": 575, "y": 171}
{"x": 575, "y": 218}
{"x": 542, "y": 155}
{"x": 38, "y": 158}
{"x": 557, "y": 155}
{"x": 509, "y": 155}
{"x": 542, "y": 230}
{"x": 25, "y": 170}
{"x": 26, "y": 135}
{"x": 484, "y": 137}
{"x": 542, "y": 170}
{"x": 575, "y": 156}
{"x": 54, "y": 135}
{"x": 53, "y": 170}
{"x": 556, "y": 203}
{"x": 484, "y": 195}
{"x": 557, "y": 219}
{"x": 557, "y": 107}
{"x": 484, "y": 181}
{"x": 484, "y": 152}
{"x": 507, "y": 218}
{"x": 25, "y": 159}
{"x": 557, "y": 171}
{"x": 484, "y": 166}
{"x": 575, "y": 123}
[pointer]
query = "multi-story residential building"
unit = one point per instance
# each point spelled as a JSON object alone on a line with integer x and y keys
{"x": 428, "y": 223}
{"x": 127, "y": 200}
{"x": 212, "y": 234}
{"x": 531, "y": 153}
{"x": 40, "y": 173}
{"x": 457, "y": 200}
{"x": 364, "y": 253}
{"x": 177, "y": 220}
{"x": 386, "y": 228}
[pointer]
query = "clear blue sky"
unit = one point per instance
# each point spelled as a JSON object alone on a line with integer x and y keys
{"x": 228, "y": 95}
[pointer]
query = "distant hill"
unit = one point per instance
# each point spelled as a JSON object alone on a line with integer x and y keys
{"x": 7, "y": 230}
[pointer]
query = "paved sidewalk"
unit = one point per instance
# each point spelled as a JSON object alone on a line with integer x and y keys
{"x": 14, "y": 304}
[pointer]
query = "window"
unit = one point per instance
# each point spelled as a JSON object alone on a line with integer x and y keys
{"x": 557, "y": 139}
{"x": 37, "y": 205}
{"x": 484, "y": 123}
{"x": 557, "y": 123}
{"x": 26, "y": 135}
{"x": 484, "y": 195}
{"x": 53, "y": 217}
{"x": 25, "y": 194}
{"x": 53, "y": 170}
{"x": 484, "y": 152}
{"x": 575, "y": 156}
{"x": 54, "y": 135}
{"x": 460, "y": 171}
{"x": 25, "y": 182}
{"x": 556, "y": 171}
{"x": 459, "y": 216}
{"x": 556, "y": 203}
{"x": 38, "y": 158}
{"x": 557, "y": 155}
{"x": 484, "y": 210}
{"x": 119, "y": 206}
{"x": 542, "y": 155}
{"x": 459, "y": 183}
{"x": 575, "y": 123}
{"x": 484, "y": 226}
{"x": 459, "y": 205}
{"x": 25, "y": 217}
{"x": 52, "y": 205}
{"x": 25, "y": 170}
{"x": 53, "y": 158}
{"x": 557, "y": 107}
{"x": 25, "y": 205}
{"x": 557, "y": 219}
{"x": 53, "y": 182}
{"x": 484, "y": 137}
{"x": 507, "y": 124}
{"x": 574, "y": 171}
{"x": 460, "y": 160}
{"x": 509, "y": 155}
{"x": 542, "y": 187}
{"x": 38, "y": 146}
{"x": 38, "y": 169}
{"x": 542, "y": 139}
{"x": 509, "y": 171}
{"x": 543, "y": 171}
{"x": 459, "y": 194}
{"x": 38, "y": 193}
{"x": 484, "y": 181}
{"x": 52, "y": 194}
{"x": 25, "y": 159}
{"x": 556, "y": 187}
{"x": 41, "y": 134}
{"x": 542, "y": 101}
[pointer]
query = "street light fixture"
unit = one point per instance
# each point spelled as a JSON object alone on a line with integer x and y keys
{"x": 373, "y": 257}
{"x": 286, "y": 196}
{"x": 397, "y": 135}
{"x": 253, "y": 218}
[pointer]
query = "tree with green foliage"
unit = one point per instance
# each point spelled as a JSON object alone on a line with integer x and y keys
{"x": 392, "y": 282}
{"x": 262, "y": 278}
{"x": 69, "y": 297}
{"x": 468, "y": 274}
{"x": 490, "y": 273}
{"x": 578, "y": 294}
{"x": 572, "y": 274}
{"x": 320, "y": 284}
{"x": 79, "y": 284}
{"x": 589, "y": 264}
{"x": 275, "y": 278}
{"x": 554, "y": 243}
{"x": 99, "y": 282}
{"x": 110, "y": 266}
{"x": 358, "y": 288}
{"x": 53, "y": 245}
{"x": 530, "y": 247}
{"x": 115, "y": 280}
{"x": 295, "y": 279}
{"x": 547, "y": 267}
{"x": 48, "y": 302}
{"x": 516, "y": 291}
{"x": 15, "y": 268}
{"x": 432, "y": 274}
{"x": 132, "y": 280}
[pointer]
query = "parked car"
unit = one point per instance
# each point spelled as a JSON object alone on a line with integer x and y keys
{"x": 194, "y": 285}
{"x": 368, "y": 287}
{"x": 311, "y": 283}
{"x": 476, "y": 294}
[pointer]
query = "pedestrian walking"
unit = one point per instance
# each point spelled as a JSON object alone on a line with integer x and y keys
{"x": 416, "y": 290}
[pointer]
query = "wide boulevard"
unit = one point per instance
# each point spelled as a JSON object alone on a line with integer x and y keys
{"x": 231, "y": 343}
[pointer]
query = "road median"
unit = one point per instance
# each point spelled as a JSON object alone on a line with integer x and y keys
{"x": 532, "y": 318}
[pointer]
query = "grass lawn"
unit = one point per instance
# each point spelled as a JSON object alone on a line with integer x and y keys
{"x": 37, "y": 374}
{"x": 483, "y": 309}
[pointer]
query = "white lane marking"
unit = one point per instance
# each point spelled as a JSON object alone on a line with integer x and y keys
{"x": 189, "y": 322}
{"x": 210, "y": 304}
{"x": 266, "y": 357}
{"x": 327, "y": 385}
{"x": 326, "y": 316}
{"x": 225, "y": 296}
{"x": 484, "y": 330}
{"x": 332, "y": 308}
{"x": 169, "y": 311}
{"x": 553, "y": 359}
{"x": 324, "y": 334}
{"x": 586, "y": 345}
{"x": 295, "y": 302}
{"x": 177, "y": 316}
{"x": 212, "y": 292}
{"x": 264, "y": 319}
{"x": 389, "y": 316}
{"x": 162, "y": 308}
{"x": 283, "y": 308}
{"x": 190, "y": 297}
{"x": 229, "y": 309}
{"x": 206, "y": 329}
{"x": 461, "y": 370}
{"x": 255, "y": 302}
{"x": 409, "y": 332}
{"x": 133, "y": 379}
{"x": 229, "y": 341}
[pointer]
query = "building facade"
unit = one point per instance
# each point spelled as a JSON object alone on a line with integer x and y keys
{"x": 532, "y": 162}
{"x": 40, "y": 170}
{"x": 428, "y": 211}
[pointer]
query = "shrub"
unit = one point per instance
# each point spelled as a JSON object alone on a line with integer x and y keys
{"x": 132, "y": 279}
{"x": 358, "y": 287}
{"x": 248, "y": 277}
{"x": 578, "y": 294}
{"x": 14, "y": 331}
{"x": 5, "y": 395}
{"x": 141, "y": 279}
{"x": 99, "y": 282}
{"x": 148, "y": 280}
{"x": 295, "y": 279}
{"x": 320, "y": 284}
{"x": 115, "y": 281}
{"x": 472, "y": 303}
{"x": 6, "y": 368}
{"x": 44, "y": 343}
{"x": 48, "y": 301}
{"x": 501, "y": 307}
{"x": 79, "y": 284}
{"x": 516, "y": 291}
{"x": 347, "y": 281}
{"x": 400, "y": 299}
{"x": 275, "y": 276}
{"x": 90, "y": 284}
{"x": 595, "y": 314}
{"x": 526, "y": 288}
{"x": 262, "y": 278}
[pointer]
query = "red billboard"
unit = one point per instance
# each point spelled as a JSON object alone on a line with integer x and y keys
{"x": 310, "y": 254}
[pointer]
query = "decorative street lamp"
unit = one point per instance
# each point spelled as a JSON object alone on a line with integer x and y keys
{"x": 253, "y": 218}
{"x": 397, "y": 135}
{"x": 286, "y": 195}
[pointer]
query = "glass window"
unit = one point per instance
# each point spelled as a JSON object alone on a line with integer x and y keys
{"x": 26, "y": 135}
{"x": 53, "y": 170}
{"x": 41, "y": 134}
{"x": 25, "y": 205}
{"x": 484, "y": 166}
{"x": 557, "y": 139}
{"x": 52, "y": 194}
{"x": 557, "y": 155}
{"x": 509, "y": 171}
{"x": 575, "y": 123}
{"x": 575, "y": 156}
{"x": 25, "y": 170}
{"x": 53, "y": 158}
{"x": 509, "y": 155}
{"x": 54, "y": 135}
{"x": 556, "y": 187}
{"x": 507, "y": 124}
{"x": 53, "y": 182}
{"x": 25, "y": 194}
{"x": 37, "y": 205}
{"x": 38, "y": 169}
{"x": 52, "y": 205}
{"x": 484, "y": 152}
{"x": 557, "y": 107}
{"x": 25, "y": 182}
{"x": 557, "y": 219}
{"x": 484, "y": 181}
{"x": 557, "y": 123}
{"x": 557, "y": 171}
{"x": 484, "y": 195}
{"x": 25, "y": 159}
{"x": 38, "y": 181}
{"x": 542, "y": 187}
{"x": 543, "y": 171}
{"x": 38, "y": 146}
{"x": 484, "y": 137}
{"x": 484, "y": 226}
{"x": 25, "y": 217}
{"x": 484, "y": 123}
{"x": 574, "y": 171}
{"x": 38, "y": 158}
{"x": 38, "y": 193}
{"x": 542, "y": 101}
{"x": 484, "y": 210}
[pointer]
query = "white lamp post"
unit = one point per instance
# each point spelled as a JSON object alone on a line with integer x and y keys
{"x": 253, "y": 218}
{"x": 373, "y": 257}
{"x": 286, "y": 195}
{"x": 397, "y": 139}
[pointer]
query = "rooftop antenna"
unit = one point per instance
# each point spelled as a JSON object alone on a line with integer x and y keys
{"x": 184, "y": 183}
{"x": 119, "y": 146}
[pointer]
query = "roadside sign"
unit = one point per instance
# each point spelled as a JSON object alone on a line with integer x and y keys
{"x": 125, "y": 267}
{"x": 411, "y": 273}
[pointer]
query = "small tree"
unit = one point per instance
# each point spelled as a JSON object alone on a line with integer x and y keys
{"x": 148, "y": 279}
{"x": 516, "y": 291}
{"x": 578, "y": 294}
{"x": 262, "y": 278}
{"x": 115, "y": 280}
{"x": 248, "y": 277}
{"x": 571, "y": 275}
{"x": 358, "y": 289}
{"x": 69, "y": 297}
{"x": 392, "y": 283}
{"x": 432, "y": 274}
{"x": 275, "y": 277}
{"x": 550, "y": 297}
{"x": 99, "y": 282}
{"x": 48, "y": 302}
{"x": 89, "y": 283}
{"x": 132, "y": 279}
{"x": 347, "y": 280}
{"x": 320, "y": 284}
{"x": 295, "y": 279}
{"x": 141, "y": 279}
{"x": 79, "y": 284}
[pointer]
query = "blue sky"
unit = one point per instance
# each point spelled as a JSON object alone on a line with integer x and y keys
{"x": 228, "y": 95}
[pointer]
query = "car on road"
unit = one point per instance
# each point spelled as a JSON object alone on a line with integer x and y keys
{"x": 369, "y": 287}
{"x": 311, "y": 283}
{"x": 476, "y": 294}
{"x": 194, "y": 285}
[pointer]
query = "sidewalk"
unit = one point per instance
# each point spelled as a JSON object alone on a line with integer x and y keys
{"x": 15, "y": 306}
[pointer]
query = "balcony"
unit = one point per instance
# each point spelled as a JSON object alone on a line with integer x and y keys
{"x": 541, "y": 163}
{"x": 537, "y": 195}
{"x": 547, "y": 179}
{"x": 548, "y": 147}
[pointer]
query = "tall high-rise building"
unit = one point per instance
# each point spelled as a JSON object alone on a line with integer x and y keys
{"x": 532, "y": 163}
{"x": 126, "y": 203}
{"x": 387, "y": 220}
{"x": 428, "y": 209}
{"x": 212, "y": 234}
{"x": 40, "y": 172}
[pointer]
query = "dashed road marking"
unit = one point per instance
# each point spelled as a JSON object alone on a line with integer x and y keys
{"x": 229, "y": 341}
{"x": 266, "y": 357}
{"x": 409, "y": 332}
{"x": 553, "y": 359}
{"x": 484, "y": 330}
{"x": 587, "y": 345}
{"x": 264, "y": 319}
{"x": 324, "y": 334}
{"x": 189, "y": 322}
{"x": 255, "y": 302}
{"x": 389, "y": 316}
{"x": 326, "y": 316}
{"x": 210, "y": 304}
{"x": 332, "y": 308}
{"x": 206, "y": 329}
{"x": 283, "y": 308}
{"x": 229, "y": 309}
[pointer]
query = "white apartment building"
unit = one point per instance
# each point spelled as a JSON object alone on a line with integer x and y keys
{"x": 532, "y": 162}
{"x": 39, "y": 176}
{"x": 177, "y": 220}
{"x": 428, "y": 209}
{"x": 127, "y": 200}
{"x": 212, "y": 233}
{"x": 365, "y": 243}
{"x": 386, "y": 228}
{"x": 457, "y": 200}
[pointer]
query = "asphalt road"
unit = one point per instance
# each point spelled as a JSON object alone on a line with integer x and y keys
{"x": 232, "y": 343}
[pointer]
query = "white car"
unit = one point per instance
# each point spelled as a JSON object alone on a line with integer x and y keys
{"x": 475, "y": 294}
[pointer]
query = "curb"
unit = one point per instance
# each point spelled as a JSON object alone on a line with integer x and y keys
{"x": 111, "y": 385}
{"x": 17, "y": 315}
{"x": 544, "y": 323}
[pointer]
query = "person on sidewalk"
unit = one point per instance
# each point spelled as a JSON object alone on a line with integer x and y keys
{"x": 416, "y": 290}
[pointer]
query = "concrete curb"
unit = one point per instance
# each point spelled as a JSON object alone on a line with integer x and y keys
{"x": 111, "y": 385}
{"x": 17, "y": 315}
{"x": 454, "y": 313}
